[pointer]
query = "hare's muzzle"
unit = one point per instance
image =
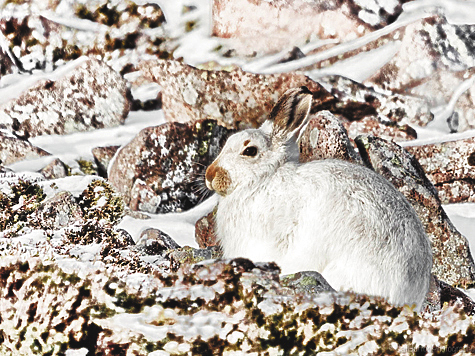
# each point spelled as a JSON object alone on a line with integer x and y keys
{"x": 217, "y": 179}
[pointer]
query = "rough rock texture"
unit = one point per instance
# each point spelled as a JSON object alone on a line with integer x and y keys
{"x": 378, "y": 126}
{"x": 306, "y": 282}
{"x": 57, "y": 212}
{"x": 205, "y": 234}
{"x": 55, "y": 169}
{"x": 235, "y": 99}
{"x": 155, "y": 242}
{"x": 89, "y": 96}
{"x": 226, "y": 306}
{"x": 450, "y": 167}
{"x": 166, "y": 161}
{"x": 102, "y": 157}
{"x": 325, "y": 137}
{"x": 453, "y": 262}
{"x": 396, "y": 108}
{"x": 14, "y": 149}
{"x": 275, "y": 25}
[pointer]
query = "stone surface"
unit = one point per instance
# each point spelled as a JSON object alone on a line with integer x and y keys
{"x": 89, "y": 96}
{"x": 396, "y": 108}
{"x": 14, "y": 149}
{"x": 235, "y": 99}
{"x": 376, "y": 126}
{"x": 59, "y": 211}
{"x": 155, "y": 242}
{"x": 55, "y": 169}
{"x": 325, "y": 137}
{"x": 205, "y": 234}
{"x": 450, "y": 167}
{"x": 276, "y": 25}
{"x": 453, "y": 262}
{"x": 306, "y": 282}
{"x": 102, "y": 157}
{"x": 157, "y": 170}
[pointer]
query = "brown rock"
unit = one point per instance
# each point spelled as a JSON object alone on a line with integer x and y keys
{"x": 450, "y": 167}
{"x": 55, "y": 169}
{"x": 155, "y": 242}
{"x": 57, "y": 212}
{"x": 13, "y": 149}
{"x": 235, "y": 99}
{"x": 157, "y": 170}
{"x": 453, "y": 262}
{"x": 205, "y": 231}
{"x": 325, "y": 137}
{"x": 89, "y": 96}
{"x": 374, "y": 126}
{"x": 102, "y": 157}
{"x": 271, "y": 26}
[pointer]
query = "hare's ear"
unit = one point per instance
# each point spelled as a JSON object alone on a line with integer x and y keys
{"x": 289, "y": 115}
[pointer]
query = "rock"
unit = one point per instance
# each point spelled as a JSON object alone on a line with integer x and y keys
{"x": 13, "y": 149}
{"x": 325, "y": 137}
{"x": 90, "y": 95}
{"x": 432, "y": 302}
{"x": 59, "y": 211}
{"x": 157, "y": 170}
{"x": 376, "y": 126}
{"x": 272, "y": 26}
{"x": 396, "y": 108}
{"x": 155, "y": 242}
{"x": 427, "y": 46}
{"x": 55, "y": 169}
{"x": 187, "y": 255}
{"x": 102, "y": 158}
{"x": 453, "y": 262}
{"x": 450, "y": 295}
{"x": 306, "y": 282}
{"x": 205, "y": 234}
{"x": 449, "y": 166}
{"x": 235, "y": 99}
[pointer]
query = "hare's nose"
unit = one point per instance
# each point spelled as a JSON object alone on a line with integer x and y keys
{"x": 210, "y": 174}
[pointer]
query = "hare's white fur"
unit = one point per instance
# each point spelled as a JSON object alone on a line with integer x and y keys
{"x": 338, "y": 218}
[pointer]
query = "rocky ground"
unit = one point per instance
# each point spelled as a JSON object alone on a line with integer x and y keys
{"x": 89, "y": 264}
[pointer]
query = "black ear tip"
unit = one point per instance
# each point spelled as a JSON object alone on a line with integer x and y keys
{"x": 305, "y": 90}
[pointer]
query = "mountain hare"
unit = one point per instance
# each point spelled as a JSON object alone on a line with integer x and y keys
{"x": 338, "y": 218}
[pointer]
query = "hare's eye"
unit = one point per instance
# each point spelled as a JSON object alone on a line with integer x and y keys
{"x": 250, "y": 151}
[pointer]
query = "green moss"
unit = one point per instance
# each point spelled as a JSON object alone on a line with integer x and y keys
{"x": 87, "y": 167}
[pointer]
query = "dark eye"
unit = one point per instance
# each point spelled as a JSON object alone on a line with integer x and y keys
{"x": 250, "y": 151}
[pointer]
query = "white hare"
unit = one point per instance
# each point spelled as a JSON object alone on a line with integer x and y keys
{"x": 338, "y": 218}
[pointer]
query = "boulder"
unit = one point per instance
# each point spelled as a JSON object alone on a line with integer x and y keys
{"x": 89, "y": 95}
{"x": 59, "y": 211}
{"x": 55, "y": 169}
{"x": 453, "y": 262}
{"x": 205, "y": 234}
{"x": 102, "y": 158}
{"x": 276, "y": 25}
{"x": 236, "y": 99}
{"x": 306, "y": 282}
{"x": 155, "y": 242}
{"x": 14, "y": 149}
{"x": 158, "y": 170}
{"x": 449, "y": 166}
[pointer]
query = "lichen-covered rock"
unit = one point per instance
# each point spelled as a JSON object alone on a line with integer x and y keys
{"x": 396, "y": 108}
{"x": 306, "y": 282}
{"x": 376, "y": 126}
{"x": 450, "y": 167}
{"x": 14, "y": 149}
{"x": 228, "y": 306}
{"x": 100, "y": 202}
{"x": 453, "y": 262}
{"x": 102, "y": 157}
{"x": 166, "y": 162}
{"x": 59, "y": 211}
{"x": 205, "y": 233}
{"x": 325, "y": 137}
{"x": 187, "y": 255}
{"x": 90, "y": 95}
{"x": 55, "y": 169}
{"x": 155, "y": 242}
{"x": 19, "y": 199}
{"x": 275, "y": 25}
{"x": 236, "y": 99}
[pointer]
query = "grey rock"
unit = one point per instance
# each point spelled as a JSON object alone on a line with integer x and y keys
{"x": 306, "y": 282}
{"x": 58, "y": 212}
{"x": 102, "y": 158}
{"x": 14, "y": 149}
{"x": 155, "y": 242}
{"x": 453, "y": 262}
{"x": 55, "y": 169}
{"x": 89, "y": 96}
